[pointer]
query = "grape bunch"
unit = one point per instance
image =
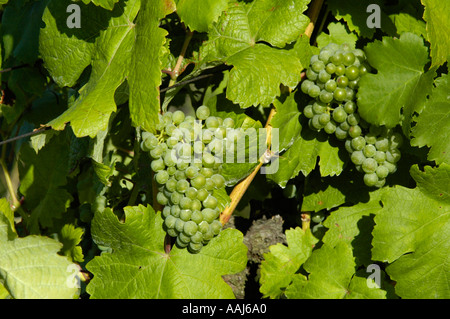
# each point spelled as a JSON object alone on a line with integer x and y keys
{"x": 187, "y": 154}
{"x": 332, "y": 82}
{"x": 375, "y": 154}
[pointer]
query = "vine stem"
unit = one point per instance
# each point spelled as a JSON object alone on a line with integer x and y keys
{"x": 240, "y": 189}
{"x": 176, "y": 71}
{"x": 12, "y": 193}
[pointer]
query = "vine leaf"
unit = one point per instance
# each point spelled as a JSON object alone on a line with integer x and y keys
{"x": 412, "y": 232}
{"x": 106, "y": 48}
{"x": 337, "y": 34}
{"x": 331, "y": 276}
{"x": 282, "y": 262}
{"x": 31, "y": 268}
{"x": 145, "y": 73}
{"x": 437, "y": 15}
{"x": 199, "y": 15}
{"x": 43, "y": 178}
{"x": 259, "y": 69}
{"x": 139, "y": 267}
{"x": 400, "y": 85}
{"x": 107, "y": 4}
{"x": 432, "y": 127}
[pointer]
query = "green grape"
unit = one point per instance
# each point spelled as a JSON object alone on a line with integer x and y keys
{"x": 175, "y": 198}
{"x": 157, "y": 165}
{"x": 207, "y": 172}
{"x": 157, "y": 152}
{"x": 195, "y": 248}
{"x": 212, "y": 122}
{"x": 162, "y": 177}
{"x": 330, "y": 86}
{"x": 218, "y": 180}
{"x": 185, "y": 214}
{"x": 208, "y": 160}
{"x": 317, "y": 66}
{"x": 357, "y": 157}
{"x": 370, "y": 138}
{"x": 182, "y": 186}
{"x": 380, "y": 157}
{"x": 369, "y": 165}
{"x": 353, "y": 84}
{"x": 314, "y": 58}
{"x": 308, "y": 111}
{"x": 325, "y": 96}
{"x": 196, "y": 204}
{"x": 337, "y": 58}
{"x": 352, "y": 72}
{"x": 339, "y": 114}
{"x": 185, "y": 203}
{"x": 190, "y": 228}
{"x": 170, "y": 127}
{"x": 197, "y": 238}
{"x": 382, "y": 171}
{"x": 191, "y": 172}
{"x": 216, "y": 227}
{"x": 393, "y": 156}
{"x": 354, "y": 131}
{"x": 315, "y": 122}
{"x": 209, "y": 184}
{"x": 342, "y": 81}
{"x": 348, "y": 58}
{"x": 340, "y": 70}
{"x": 348, "y": 146}
{"x": 306, "y": 84}
{"x": 330, "y": 68}
{"x": 179, "y": 225}
{"x": 311, "y": 75}
{"x": 210, "y": 202}
{"x": 396, "y": 141}
{"x": 380, "y": 183}
{"x": 197, "y": 216}
{"x": 358, "y": 143}
{"x": 350, "y": 94}
{"x": 172, "y": 232}
{"x": 149, "y": 143}
{"x": 319, "y": 107}
{"x": 202, "y": 193}
{"x": 166, "y": 212}
{"x": 344, "y": 126}
{"x": 314, "y": 91}
{"x": 340, "y": 94}
{"x": 202, "y": 112}
{"x": 370, "y": 179}
{"x": 390, "y": 166}
{"x": 209, "y": 215}
{"x": 179, "y": 175}
{"x": 175, "y": 211}
{"x": 198, "y": 182}
{"x": 350, "y": 107}
{"x": 178, "y": 117}
{"x": 203, "y": 227}
{"x": 340, "y": 133}
{"x": 353, "y": 118}
{"x": 369, "y": 150}
{"x": 324, "y": 118}
{"x": 191, "y": 193}
{"x": 363, "y": 70}
{"x": 228, "y": 122}
{"x": 325, "y": 55}
{"x": 382, "y": 144}
{"x": 171, "y": 170}
{"x": 330, "y": 127}
{"x": 318, "y": 217}
{"x": 324, "y": 76}
{"x": 184, "y": 238}
{"x": 170, "y": 221}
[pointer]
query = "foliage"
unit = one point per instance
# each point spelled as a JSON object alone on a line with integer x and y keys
{"x": 79, "y": 216}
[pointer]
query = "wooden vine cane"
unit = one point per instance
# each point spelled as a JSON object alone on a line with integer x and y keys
{"x": 240, "y": 189}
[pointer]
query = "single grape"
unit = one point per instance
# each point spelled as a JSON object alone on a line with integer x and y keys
{"x": 353, "y": 118}
{"x": 380, "y": 157}
{"x": 382, "y": 144}
{"x": 317, "y": 66}
{"x": 358, "y": 143}
{"x": 185, "y": 214}
{"x": 325, "y": 96}
{"x": 195, "y": 248}
{"x": 354, "y": 131}
{"x": 324, "y": 76}
{"x": 311, "y": 75}
{"x": 370, "y": 179}
{"x": 209, "y": 215}
{"x": 170, "y": 221}
{"x": 197, "y": 216}
{"x": 228, "y": 122}
{"x": 339, "y": 114}
{"x": 175, "y": 198}
{"x": 202, "y": 112}
{"x": 324, "y": 118}
{"x": 369, "y": 150}
{"x": 390, "y": 166}
{"x": 369, "y": 165}
{"x": 352, "y": 72}
{"x": 382, "y": 171}
{"x": 162, "y": 199}
{"x": 396, "y": 141}
{"x": 337, "y": 58}
{"x": 157, "y": 165}
{"x": 342, "y": 81}
{"x": 330, "y": 86}
{"x": 350, "y": 107}
{"x": 178, "y": 117}
{"x": 306, "y": 84}
{"x": 340, "y": 94}
{"x": 330, "y": 127}
{"x": 210, "y": 202}
{"x": 319, "y": 107}
{"x": 357, "y": 157}
{"x": 202, "y": 194}
{"x": 314, "y": 91}
{"x": 175, "y": 210}
{"x": 162, "y": 177}
{"x": 340, "y": 133}
{"x": 308, "y": 111}
{"x": 330, "y": 68}
{"x": 185, "y": 203}
{"x": 340, "y": 70}
{"x": 325, "y": 55}
{"x": 179, "y": 225}
{"x": 216, "y": 227}
{"x": 182, "y": 186}
{"x": 393, "y": 156}
{"x": 348, "y": 58}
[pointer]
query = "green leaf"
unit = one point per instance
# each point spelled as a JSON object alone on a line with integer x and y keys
{"x": 70, "y": 237}
{"x": 412, "y": 233}
{"x": 7, "y": 228}
{"x": 43, "y": 177}
{"x": 258, "y": 68}
{"x": 107, "y": 4}
{"x": 405, "y": 22}
{"x": 331, "y": 276}
{"x": 139, "y": 267}
{"x": 337, "y": 34}
{"x": 400, "y": 82}
{"x": 30, "y": 268}
{"x": 145, "y": 73}
{"x": 302, "y": 157}
{"x": 110, "y": 61}
{"x": 286, "y": 120}
{"x": 437, "y": 15}
{"x": 354, "y": 225}
{"x": 198, "y": 15}
{"x": 282, "y": 262}
{"x": 432, "y": 127}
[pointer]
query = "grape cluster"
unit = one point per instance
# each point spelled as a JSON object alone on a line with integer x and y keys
{"x": 332, "y": 82}
{"x": 186, "y": 154}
